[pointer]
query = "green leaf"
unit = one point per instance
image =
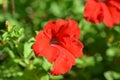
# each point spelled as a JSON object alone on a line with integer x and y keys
{"x": 27, "y": 50}
{"x": 45, "y": 77}
{"x": 55, "y": 9}
{"x": 112, "y": 75}
{"x": 1, "y": 2}
{"x": 59, "y": 77}
{"x": 113, "y": 51}
{"x": 46, "y": 65}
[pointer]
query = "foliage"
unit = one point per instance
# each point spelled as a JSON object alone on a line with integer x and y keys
{"x": 19, "y": 22}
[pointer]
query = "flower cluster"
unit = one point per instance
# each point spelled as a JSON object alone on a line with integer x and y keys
{"x": 59, "y": 41}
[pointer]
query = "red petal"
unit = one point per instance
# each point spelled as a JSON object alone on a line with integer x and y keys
{"x": 59, "y": 25}
{"x": 115, "y": 15}
{"x": 115, "y": 3}
{"x": 41, "y": 42}
{"x": 52, "y": 27}
{"x": 42, "y": 47}
{"x": 48, "y": 29}
{"x": 63, "y": 62}
{"x": 50, "y": 53}
{"x": 71, "y": 30}
{"x": 107, "y": 15}
{"x": 74, "y": 46}
{"x": 68, "y": 38}
{"x": 93, "y": 11}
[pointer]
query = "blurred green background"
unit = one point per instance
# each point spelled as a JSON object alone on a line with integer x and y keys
{"x": 20, "y": 20}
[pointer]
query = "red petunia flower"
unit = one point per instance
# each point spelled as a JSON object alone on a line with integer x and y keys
{"x": 107, "y": 11}
{"x": 59, "y": 44}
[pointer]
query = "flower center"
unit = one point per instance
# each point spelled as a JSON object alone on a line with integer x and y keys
{"x": 101, "y": 0}
{"x": 53, "y": 41}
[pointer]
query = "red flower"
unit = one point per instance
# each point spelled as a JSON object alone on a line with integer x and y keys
{"x": 107, "y": 11}
{"x": 59, "y": 44}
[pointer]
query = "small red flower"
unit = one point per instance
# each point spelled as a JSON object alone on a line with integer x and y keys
{"x": 59, "y": 44}
{"x": 107, "y": 11}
